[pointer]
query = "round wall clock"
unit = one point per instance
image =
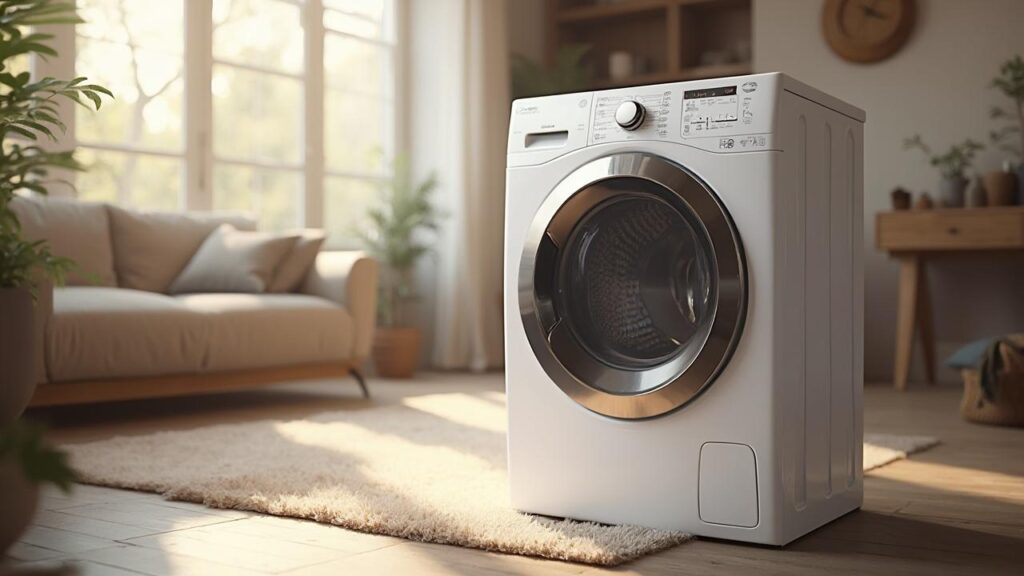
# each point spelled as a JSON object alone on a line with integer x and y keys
{"x": 867, "y": 30}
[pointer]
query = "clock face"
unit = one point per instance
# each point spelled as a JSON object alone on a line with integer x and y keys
{"x": 867, "y": 30}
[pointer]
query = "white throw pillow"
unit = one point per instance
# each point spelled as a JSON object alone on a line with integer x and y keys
{"x": 231, "y": 260}
{"x": 296, "y": 264}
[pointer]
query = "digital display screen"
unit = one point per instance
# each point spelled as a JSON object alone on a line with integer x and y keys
{"x": 710, "y": 92}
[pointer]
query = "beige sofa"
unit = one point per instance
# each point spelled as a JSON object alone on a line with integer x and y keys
{"x": 114, "y": 333}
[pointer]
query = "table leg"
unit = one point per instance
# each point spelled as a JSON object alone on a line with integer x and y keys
{"x": 910, "y": 266}
{"x": 924, "y": 322}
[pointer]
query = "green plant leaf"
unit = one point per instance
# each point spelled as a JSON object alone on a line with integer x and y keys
{"x": 24, "y": 443}
{"x": 28, "y": 109}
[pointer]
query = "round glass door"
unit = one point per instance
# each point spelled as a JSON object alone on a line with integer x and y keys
{"x": 632, "y": 286}
{"x": 636, "y": 281}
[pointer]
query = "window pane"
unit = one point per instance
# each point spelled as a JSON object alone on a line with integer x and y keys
{"x": 256, "y": 116}
{"x": 134, "y": 48}
{"x": 16, "y": 66}
{"x": 357, "y": 132}
{"x": 142, "y": 23}
{"x": 375, "y": 11}
{"x": 353, "y": 24}
{"x": 358, "y": 66}
{"x": 273, "y": 196}
{"x": 346, "y": 201}
{"x": 140, "y": 180}
{"x": 263, "y": 33}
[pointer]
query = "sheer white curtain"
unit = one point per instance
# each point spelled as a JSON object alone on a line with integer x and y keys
{"x": 460, "y": 110}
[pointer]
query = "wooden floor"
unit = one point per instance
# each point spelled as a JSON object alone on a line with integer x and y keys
{"x": 956, "y": 509}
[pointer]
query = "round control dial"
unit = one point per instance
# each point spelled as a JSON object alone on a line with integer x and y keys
{"x": 630, "y": 115}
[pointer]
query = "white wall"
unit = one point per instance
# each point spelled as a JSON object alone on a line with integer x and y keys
{"x": 937, "y": 86}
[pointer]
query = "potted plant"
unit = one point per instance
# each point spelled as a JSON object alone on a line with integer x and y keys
{"x": 952, "y": 165}
{"x": 28, "y": 112}
{"x": 394, "y": 238}
{"x": 1010, "y": 137}
{"x": 26, "y": 462}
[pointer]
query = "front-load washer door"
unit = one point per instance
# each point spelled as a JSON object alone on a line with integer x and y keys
{"x": 632, "y": 286}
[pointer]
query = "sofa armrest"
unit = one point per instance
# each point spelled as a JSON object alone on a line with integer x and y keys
{"x": 43, "y": 313}
{"x": 350, "y": 279}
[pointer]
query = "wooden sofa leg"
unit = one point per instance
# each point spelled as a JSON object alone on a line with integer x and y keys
{"x": 362, "y": 382}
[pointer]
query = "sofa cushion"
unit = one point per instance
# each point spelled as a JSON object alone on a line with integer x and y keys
{"x": 296, "y": 265}
{"x": 112, "y": 332}
{"x": 265, "y": 330}
{"x": 152, "y": 248}
{"x": 231, "y": 260}
{"x": 76, "y": 230}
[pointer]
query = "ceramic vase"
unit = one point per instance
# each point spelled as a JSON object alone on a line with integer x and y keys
{"x": 976, "y": 195}
{"x": 1001, "y": 188}
{"x": 17, "y": 352}
{"x": 951, "y": 191}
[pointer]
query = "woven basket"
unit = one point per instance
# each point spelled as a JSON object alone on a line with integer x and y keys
{"x": 1006, "y": 407}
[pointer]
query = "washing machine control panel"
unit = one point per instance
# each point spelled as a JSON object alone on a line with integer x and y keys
{"x": 655, "y": 109}
{"x": 725, "y": 115}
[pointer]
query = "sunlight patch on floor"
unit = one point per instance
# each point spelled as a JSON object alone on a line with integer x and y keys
{"x": 467, "y": 410}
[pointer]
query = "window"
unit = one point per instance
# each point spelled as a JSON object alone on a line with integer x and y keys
{"x": 297, "y": 125}
{"x": 257, "y": 83}
{"x": 135, "y": 147}
{"x": 359, "y": 109}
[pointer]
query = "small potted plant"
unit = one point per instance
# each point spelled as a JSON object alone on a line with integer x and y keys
{"x": 394, "y": 237}
{"x": 1010, "y": 137}
{"x": 952, "y": 165}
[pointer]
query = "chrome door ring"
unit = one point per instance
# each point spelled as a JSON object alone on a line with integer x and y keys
{"x": 679, "y": 380}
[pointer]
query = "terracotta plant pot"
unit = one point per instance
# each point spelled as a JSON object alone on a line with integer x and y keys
{"x": 976, "y": 197}
{"x": 18, "y": 500}
{"x": 396, "y": 351}
{"x": 17, "y": 352}
{"x": 901, "y": 199}
{"x": 1001, "y": 188}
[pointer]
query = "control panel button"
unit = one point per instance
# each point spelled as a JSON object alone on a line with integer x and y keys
{"x": 629, "y": 115}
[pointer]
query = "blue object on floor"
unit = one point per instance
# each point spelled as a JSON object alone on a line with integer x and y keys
{"x": 970, "y": 355}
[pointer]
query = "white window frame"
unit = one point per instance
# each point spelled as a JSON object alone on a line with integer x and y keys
{"x": 198, "y": 154}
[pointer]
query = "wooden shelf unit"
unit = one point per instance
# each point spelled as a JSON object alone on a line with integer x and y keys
{"x": 665, "y": 37}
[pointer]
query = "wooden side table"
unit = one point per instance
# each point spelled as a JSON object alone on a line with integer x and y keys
{"x": 912, "y": 237}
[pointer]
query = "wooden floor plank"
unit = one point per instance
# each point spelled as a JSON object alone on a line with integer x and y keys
{"x": 311, "y": 533}
{"x": 76, "y": 567}
{"x": 62, "y": 540}
{"x": 151, "y": 516}
{"x": 156, "y": 562}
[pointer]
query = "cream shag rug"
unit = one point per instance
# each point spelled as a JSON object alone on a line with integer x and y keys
{"x": 881, "y": 449}
{"x": 430, "y": 469}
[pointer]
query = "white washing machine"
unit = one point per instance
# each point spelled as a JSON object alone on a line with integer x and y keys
{"x": 683, "y": 307}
